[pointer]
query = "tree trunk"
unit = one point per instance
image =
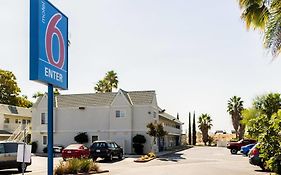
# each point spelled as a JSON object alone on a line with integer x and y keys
{"x": 241, "y": 131}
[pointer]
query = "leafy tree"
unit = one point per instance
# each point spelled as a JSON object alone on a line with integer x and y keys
{"x": 40, "y": 94}
{"x": 264, "y": 15}
{"x": 9, "y": 90}
{"x": 107, "y": 84}
{"x": 194, "y": 130}
{"x": 234, "y": 108}
{"x": 189, "y": 129}
{"x": 204, "y": 124}
{"x": 263, "y": 123}
{"x": 37, "y": 94}
{"x": 156, "y": 131}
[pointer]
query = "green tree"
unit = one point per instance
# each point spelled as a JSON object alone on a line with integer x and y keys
{"x": 264, "y": 15}
{"x": 205, "y": 124}
{"x": 234, "y": 108}
{"x": 156, "y": 130}
{"x": 263, "y": 122}
{"x": 37, "y": 94}
{"x": 108, "y": 83}
{"x": 10, "y": 92}
{"x": 189, "y": 128}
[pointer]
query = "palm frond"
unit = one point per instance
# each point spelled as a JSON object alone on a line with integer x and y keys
{"x": 255, "y": 16}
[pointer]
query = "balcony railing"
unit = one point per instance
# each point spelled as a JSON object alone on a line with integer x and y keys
{"x": 172, "y": 130}
{"x": 11, "y": 127}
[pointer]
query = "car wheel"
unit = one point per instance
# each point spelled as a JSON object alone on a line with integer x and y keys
{"x": 21, "y": 167}
{"x": 64, "y": 159}
{"x": 234, "y": 151}
{"x": 110, "y": 157}
{"x": 120, "y": 156}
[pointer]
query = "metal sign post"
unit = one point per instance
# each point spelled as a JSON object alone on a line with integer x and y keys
{"x": 48, "y": 55}
{"x": 50, "y": 129}
{"x": 23, "y": 155}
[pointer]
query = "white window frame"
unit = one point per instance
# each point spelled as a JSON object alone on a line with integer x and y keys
{"x": 7, "y": 120}
{"x": 43, "y": 118}
{"x": 46, "y": 141}
{"x": 121, "y": 114}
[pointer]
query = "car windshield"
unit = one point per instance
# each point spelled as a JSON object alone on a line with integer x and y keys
{"x": 74, "y": 146}
{"x": 99, "y": 145}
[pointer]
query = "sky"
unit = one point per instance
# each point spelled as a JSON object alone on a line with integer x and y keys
{"x": 194, "y": 54}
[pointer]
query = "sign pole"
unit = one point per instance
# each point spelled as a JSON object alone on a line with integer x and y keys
{"x": 50, "y": 129}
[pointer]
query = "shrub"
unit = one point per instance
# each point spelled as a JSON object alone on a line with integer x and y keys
{"x": 138, "y": 148}
{"x": 81, "y": 137}
{"x": 34, "y": 146}
{"x": 85, "y": 165}
{"x": 138, "y": 141}
{"x": 151, "y": 155}
{"x": 94, "y": 167}
{"x": 45, "y": 150}
{"x": 60, "y": 169}
{"x": 72, "y": 166}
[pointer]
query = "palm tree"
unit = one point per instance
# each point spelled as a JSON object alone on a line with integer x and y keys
{"x": 107, "y": 84}
{"x": 112, "y": 79}
{"x": 234, "y": 108}
{"x": 204, "y": 124}
{"x": 264, "y": 15}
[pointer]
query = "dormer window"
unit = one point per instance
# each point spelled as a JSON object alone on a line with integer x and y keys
{"x": 119, "y": 114}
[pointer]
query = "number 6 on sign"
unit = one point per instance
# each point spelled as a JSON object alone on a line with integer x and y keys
{"x": 52, "y": 30}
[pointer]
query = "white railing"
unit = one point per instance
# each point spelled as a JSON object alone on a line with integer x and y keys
{"x": 20, "y": 133}
{"x": 173, "y": 130}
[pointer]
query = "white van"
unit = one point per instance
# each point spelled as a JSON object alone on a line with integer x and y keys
{"x": 8, "y": 156}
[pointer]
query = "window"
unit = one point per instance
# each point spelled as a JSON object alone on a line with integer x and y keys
{"x": 6, "y": 120}
{"x": 154, "y": 114}
{"x": 23, "y": 121}
{"x": 2, "y": 150}
{"x": 11, "y": 147}
{"x": 17, "y": 121}
{"x": 120, "y": 114}
{"x": 95, "y": 138}
{"x": 45, "y": 140}
{"x": 43, "y": 118}
{"x": 28, "y": 121}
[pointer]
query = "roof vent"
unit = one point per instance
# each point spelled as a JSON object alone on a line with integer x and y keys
{"x": 81, "y": 107}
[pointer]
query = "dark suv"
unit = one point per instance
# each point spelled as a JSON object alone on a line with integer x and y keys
{"x": 8, "y": 156}
{"x": 236, "y": 146}
{"x": 106, "y": 149}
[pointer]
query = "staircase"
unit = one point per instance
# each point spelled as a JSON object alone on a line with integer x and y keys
{"x": 18, "y": 134}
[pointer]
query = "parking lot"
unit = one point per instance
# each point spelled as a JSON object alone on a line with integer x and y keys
{"x": 194, "y": 161}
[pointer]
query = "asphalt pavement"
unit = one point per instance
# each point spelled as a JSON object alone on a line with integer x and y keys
{"x": 193, "y": 161}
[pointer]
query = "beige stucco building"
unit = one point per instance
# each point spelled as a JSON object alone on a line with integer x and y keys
{"x": 116, "y": 116}
{"x": 11, "y": 117}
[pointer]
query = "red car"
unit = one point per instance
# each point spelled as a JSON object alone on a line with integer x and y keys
{"x": 75, "y": 151}
{"x": 236, "y": 146}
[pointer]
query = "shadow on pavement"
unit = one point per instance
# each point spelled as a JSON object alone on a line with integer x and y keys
{"x": 174, "y": 157}
{"x": 108, "y": 161}
{"x": 9, "y": 172}
{"x": 265, "y": 171}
